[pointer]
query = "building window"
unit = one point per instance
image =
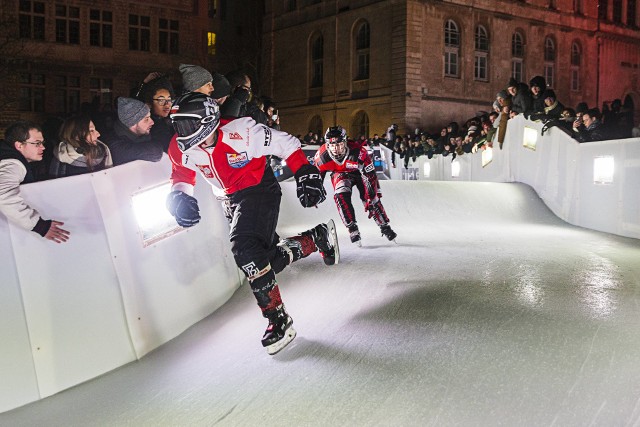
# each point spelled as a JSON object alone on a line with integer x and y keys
{"x": 363, "y": 39}
{"x": 67, "y": 24}
{"x": 451, "y": 49}
{"x": 315, "y": 125}
{"x": 168, "y": 41}
{"x": 617, "y": 11}
{"x": 32, "y": 92}
{"x": 631, "y": 13}
{"x": 67, "y": 98}
{"x": 31, "y": 19}
{"x": 360, "y": 125}
{"x": 603, "y": 9}
{"x": 549, "y": 61}
{"x": 290, "y": 5}
{"x": 576, "y": 62}
{"x": 139, "y": 32}
{"x": 211, "y": 43}
{"x": 317, "y": 61}
{"x": 100, "y": 28}
{"x": 481, "y": 54}
{"x": 577, "y": 7}
{"x": 517, "y": 56}
{"x": 102, "y": 90}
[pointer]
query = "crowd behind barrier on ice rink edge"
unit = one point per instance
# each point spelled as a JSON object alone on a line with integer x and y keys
{"x": 139, "y": 128}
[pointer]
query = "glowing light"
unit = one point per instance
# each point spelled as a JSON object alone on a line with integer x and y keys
{"x": 487, "y": 156}
{"x": 426, "y": 169}
{"x": 603, "y": 168}
{"x": 530, "y": 138}
{"x": 455, "y": 169}
{"x": 154, "y": 220}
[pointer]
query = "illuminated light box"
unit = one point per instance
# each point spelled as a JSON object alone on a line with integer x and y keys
{"x": 154, "y": 220}
{"x": 603, "y": 167}
{"x": 530, "y": 138}
{"x": 487, "y": 156}
{"x": 426, "y": 169}
{"x": 455, "y": 169}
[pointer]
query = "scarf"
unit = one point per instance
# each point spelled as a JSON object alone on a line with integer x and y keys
{"x": 67, "y": 154}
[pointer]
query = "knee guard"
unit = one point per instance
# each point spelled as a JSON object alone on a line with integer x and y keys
{"x": 345, "y": 207}
{"x": 377, "y": 212}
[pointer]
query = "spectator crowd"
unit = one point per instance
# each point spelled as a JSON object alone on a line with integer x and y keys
{"x": 140, "y": 129}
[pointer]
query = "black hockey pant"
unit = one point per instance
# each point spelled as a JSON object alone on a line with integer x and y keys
{"x": 343, "y": 183}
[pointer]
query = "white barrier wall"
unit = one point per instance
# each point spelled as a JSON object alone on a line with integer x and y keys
{"x": 560, "y": 169}
{"x": 73, "y": 311}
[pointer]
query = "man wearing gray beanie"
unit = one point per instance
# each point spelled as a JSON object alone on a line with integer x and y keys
{"x": 129, "y": 139}
{"x": 196, "y": 79}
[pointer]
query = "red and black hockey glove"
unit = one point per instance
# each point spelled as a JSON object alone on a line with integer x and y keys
{"x": 309, "y": 188}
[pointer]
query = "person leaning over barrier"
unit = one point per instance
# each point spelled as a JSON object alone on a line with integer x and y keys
{"x": 22, "y": 145}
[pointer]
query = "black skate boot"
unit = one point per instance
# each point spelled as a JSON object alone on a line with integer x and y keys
{"x": 326, "y": 240}
{"x": 354, "y": 234}
{"x": 280, "y": 331}
{"x": 388, "y": 232}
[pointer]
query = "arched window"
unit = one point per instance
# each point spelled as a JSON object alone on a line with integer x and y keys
{"x": 481, "y": 62}
{"x": 451, "y": 49}
{"x": 317, "y": 60}
{"x": 360, "y": 125}
{"x": 576, "y": 62}
{"x": 549, "y": 61}
{"x": 362, "y": 44}
{"x": 517, "y": 56}
{"x": 315, "y": 125}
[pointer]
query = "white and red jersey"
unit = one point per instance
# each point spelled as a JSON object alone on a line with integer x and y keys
{"x": 237, "y": 159}
{"x": 356, "y": 160}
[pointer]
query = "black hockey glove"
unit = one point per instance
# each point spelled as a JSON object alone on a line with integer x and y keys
{"x": 309, "y": 186}
{"x": 184, "y": 208}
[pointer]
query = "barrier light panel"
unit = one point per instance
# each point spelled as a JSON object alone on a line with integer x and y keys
{"x": 154, "y": 220}
{"x": 455, "y": 169}
{"x": 426, "y": 169}
{"x": 530, "y": 138}
{"x": 603, "y": 168}
{"x": 487, "y": 156}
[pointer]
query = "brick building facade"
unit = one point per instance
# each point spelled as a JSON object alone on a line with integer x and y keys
{"x": 56, "y": 55}
{"x": 365, "y": 64}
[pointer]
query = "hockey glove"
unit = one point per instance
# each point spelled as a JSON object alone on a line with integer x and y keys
{"x": 184, "y": 208}
{"x": 369, "y": 206}
{"x": 309, "y": 186}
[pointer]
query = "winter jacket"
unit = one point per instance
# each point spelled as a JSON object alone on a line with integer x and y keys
{"x": 67, "y": 161}
{"x": 15, "y": 170}
{"x": 125, "y": 146}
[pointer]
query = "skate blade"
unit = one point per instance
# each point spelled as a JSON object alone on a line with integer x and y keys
{"x": 358, "y": 243}
{"x": 331, "y": 226}
{"x": 277, "y": 346}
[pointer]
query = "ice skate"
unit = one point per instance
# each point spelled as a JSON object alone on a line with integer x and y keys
{"x": 388, "y": 233}
{"x": 280, "y": 331}
{"x": 326, "y": 239}
{"x": 354, "y": 235}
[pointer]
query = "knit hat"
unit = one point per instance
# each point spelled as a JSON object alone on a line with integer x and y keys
{"x": 512, "y": 83}
{"x": 194, "y": 77}
{"x": 131, "y": 111}
{"x": 549, "y": 93}
{"x": 221, "y": 86}
{"x": 502, "y": 94}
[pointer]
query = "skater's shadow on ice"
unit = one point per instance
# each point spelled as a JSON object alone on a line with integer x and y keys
{"x": 302, "y": 348}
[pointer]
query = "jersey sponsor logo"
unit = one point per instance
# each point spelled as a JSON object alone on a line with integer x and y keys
{"x": 267, "y": 136}
{"x": 237, "y": 161}
{"x": 369, "y": 167}
{"x": 235, "y": 135}
{"x": 351, "y": 165}
{"x": 206, "y": 170}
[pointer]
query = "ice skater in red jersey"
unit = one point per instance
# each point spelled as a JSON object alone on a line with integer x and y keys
{"x": 350, "y": 165}
{"x": 230, "y": 155}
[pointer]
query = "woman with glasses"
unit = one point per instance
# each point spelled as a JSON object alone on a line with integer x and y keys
{"x": 158, "y": 95}
{"x": 79, "y": 151}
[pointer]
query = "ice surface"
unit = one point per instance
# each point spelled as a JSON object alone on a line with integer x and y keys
{"x": 488, "y": 311}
